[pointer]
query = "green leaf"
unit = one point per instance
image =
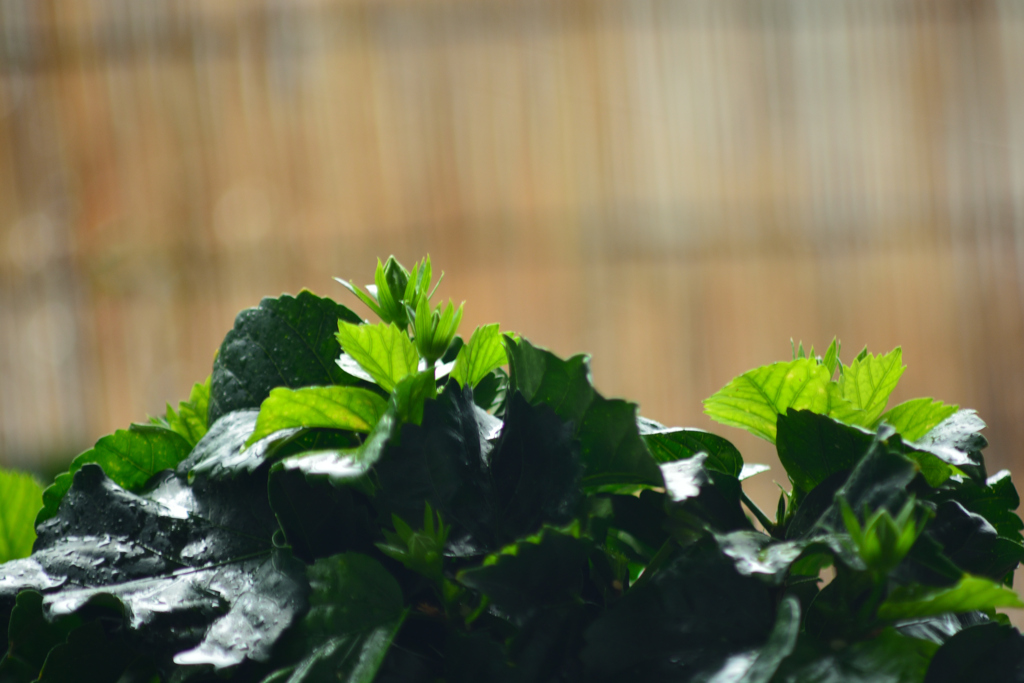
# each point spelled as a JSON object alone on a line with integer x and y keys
{"x": 916, "y": 417}
{"x": 869, "y": 381}
{"x": 831, "y": 359}
{"x": 813, "y": 447}
{"x": 21, "y": 497}
{"x": 129, "y": 457}
{"x": 843, "y": 410}
{"x": 542, "y": 377}
{"x": 538, "y": 571}
{"x": 887, "y": 658}
{"x": 756, "y": 554}
{"x": 969, "y": 594}
{"x": 988, "y": 651}
{"x": 441, "y": 462}
{"x": 536, "y": 470}
{"x": 667, "y": 445}
{"x": 411, "y": 393}
{"x": 89, "y": 655}
{"x": 355, "y": 611}
{"x": 956, "y": 440}
{"x": 344, "y": 466}
{"x": 284, "y": 342}
{"x": 687, "y": 620}
{"x": 611, "y": 448}
{"x": 995, "y": 500}
{"x": 754, "y": 400}
{"x": 760, "y": 664}
{"x": 484, "y": 352}
{"x": 31, "y": 638}
{"x": 383, "y": 350}
{"x": 193, "y": 565}
{"x": 972, "y": 543}
{"x": 334, "y": 407}
{"x": 190, "y": 420}
{"x": 434, "y": 331}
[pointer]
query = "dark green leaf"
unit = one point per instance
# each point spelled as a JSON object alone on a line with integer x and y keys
{"x": 760, "y": 664}
{"x": 193, "y": 565}
{"x": 441, "y": 461}
{"x": 129, "y": 457}
{"x": 813, "y": 447}
{"x": 542, "y": 570}
{"x": 956, "y": 440}
{"x": 89, "y": 655}
{"x": 879, "y": 481}
{"x": 491, "y": 391}
{"x": 350, "y": 408}
{"x": 995, "y": 501}
{"x": 969, "y": 540}
{"x": 536, "y": 470}
{"x": 285, "y": 342}
{"x": 542, "y": 377}
{"x": 21, "y": 497}
{"x": 344, "y": 467}
{"x": 716, "y": 504}
{"x": 31, "y": 638}
{"x": 694, "y": 614}
{"x": 548, "y": 644}
{"x": 355, "y": 610}
{"x": 611, "y": 448}
{"x": 986, "y": 652}
{"x": 666, "y": 445}
{"x": 887, "y": 658}
{"x": 319, "y": 519}
{"x": 756, "y": 554}
{"x": 222, "y": 452}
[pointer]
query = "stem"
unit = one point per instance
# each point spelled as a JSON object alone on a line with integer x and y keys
{"x": 761, "y": 517}
{"x": 659, "y": 559}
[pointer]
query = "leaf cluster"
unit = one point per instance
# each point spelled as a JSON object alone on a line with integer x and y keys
{"x": 360, "y": 502}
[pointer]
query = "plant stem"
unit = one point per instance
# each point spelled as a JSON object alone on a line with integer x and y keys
{"x": 659, "y": 559}
{"x": 761, "y": 517}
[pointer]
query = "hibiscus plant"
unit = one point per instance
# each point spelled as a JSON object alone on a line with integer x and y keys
{"x": 355, "y": 501}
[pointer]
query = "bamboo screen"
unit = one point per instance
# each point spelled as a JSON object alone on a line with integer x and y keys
{"x": 678, "y": 187}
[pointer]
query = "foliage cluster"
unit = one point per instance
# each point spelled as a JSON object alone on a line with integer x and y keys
{"x": 361, "y": 502}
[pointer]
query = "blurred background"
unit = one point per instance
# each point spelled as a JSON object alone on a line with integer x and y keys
{"x": 675, "y": 186}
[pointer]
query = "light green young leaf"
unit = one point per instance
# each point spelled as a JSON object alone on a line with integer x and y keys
{"x": 484, "y": 352}
{"x": 351, "y": 408}
{"x": 434, "y": 331}
{"x": 831, "y": 359}
{"x": 969, "y": 594}
{"x": 129, "y": 457}
{"x": 384, "y": 351}
{"x": 191, "y": 419}
{"x": 21, "y": 496}
{"x": 843, "y": 410}
{"x": 869, "y": 381}
{"x": 755, "y": 399}
{"x": 915, "y": 418}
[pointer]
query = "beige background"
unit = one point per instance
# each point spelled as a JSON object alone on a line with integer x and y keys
{"x": 678, "y": 187}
